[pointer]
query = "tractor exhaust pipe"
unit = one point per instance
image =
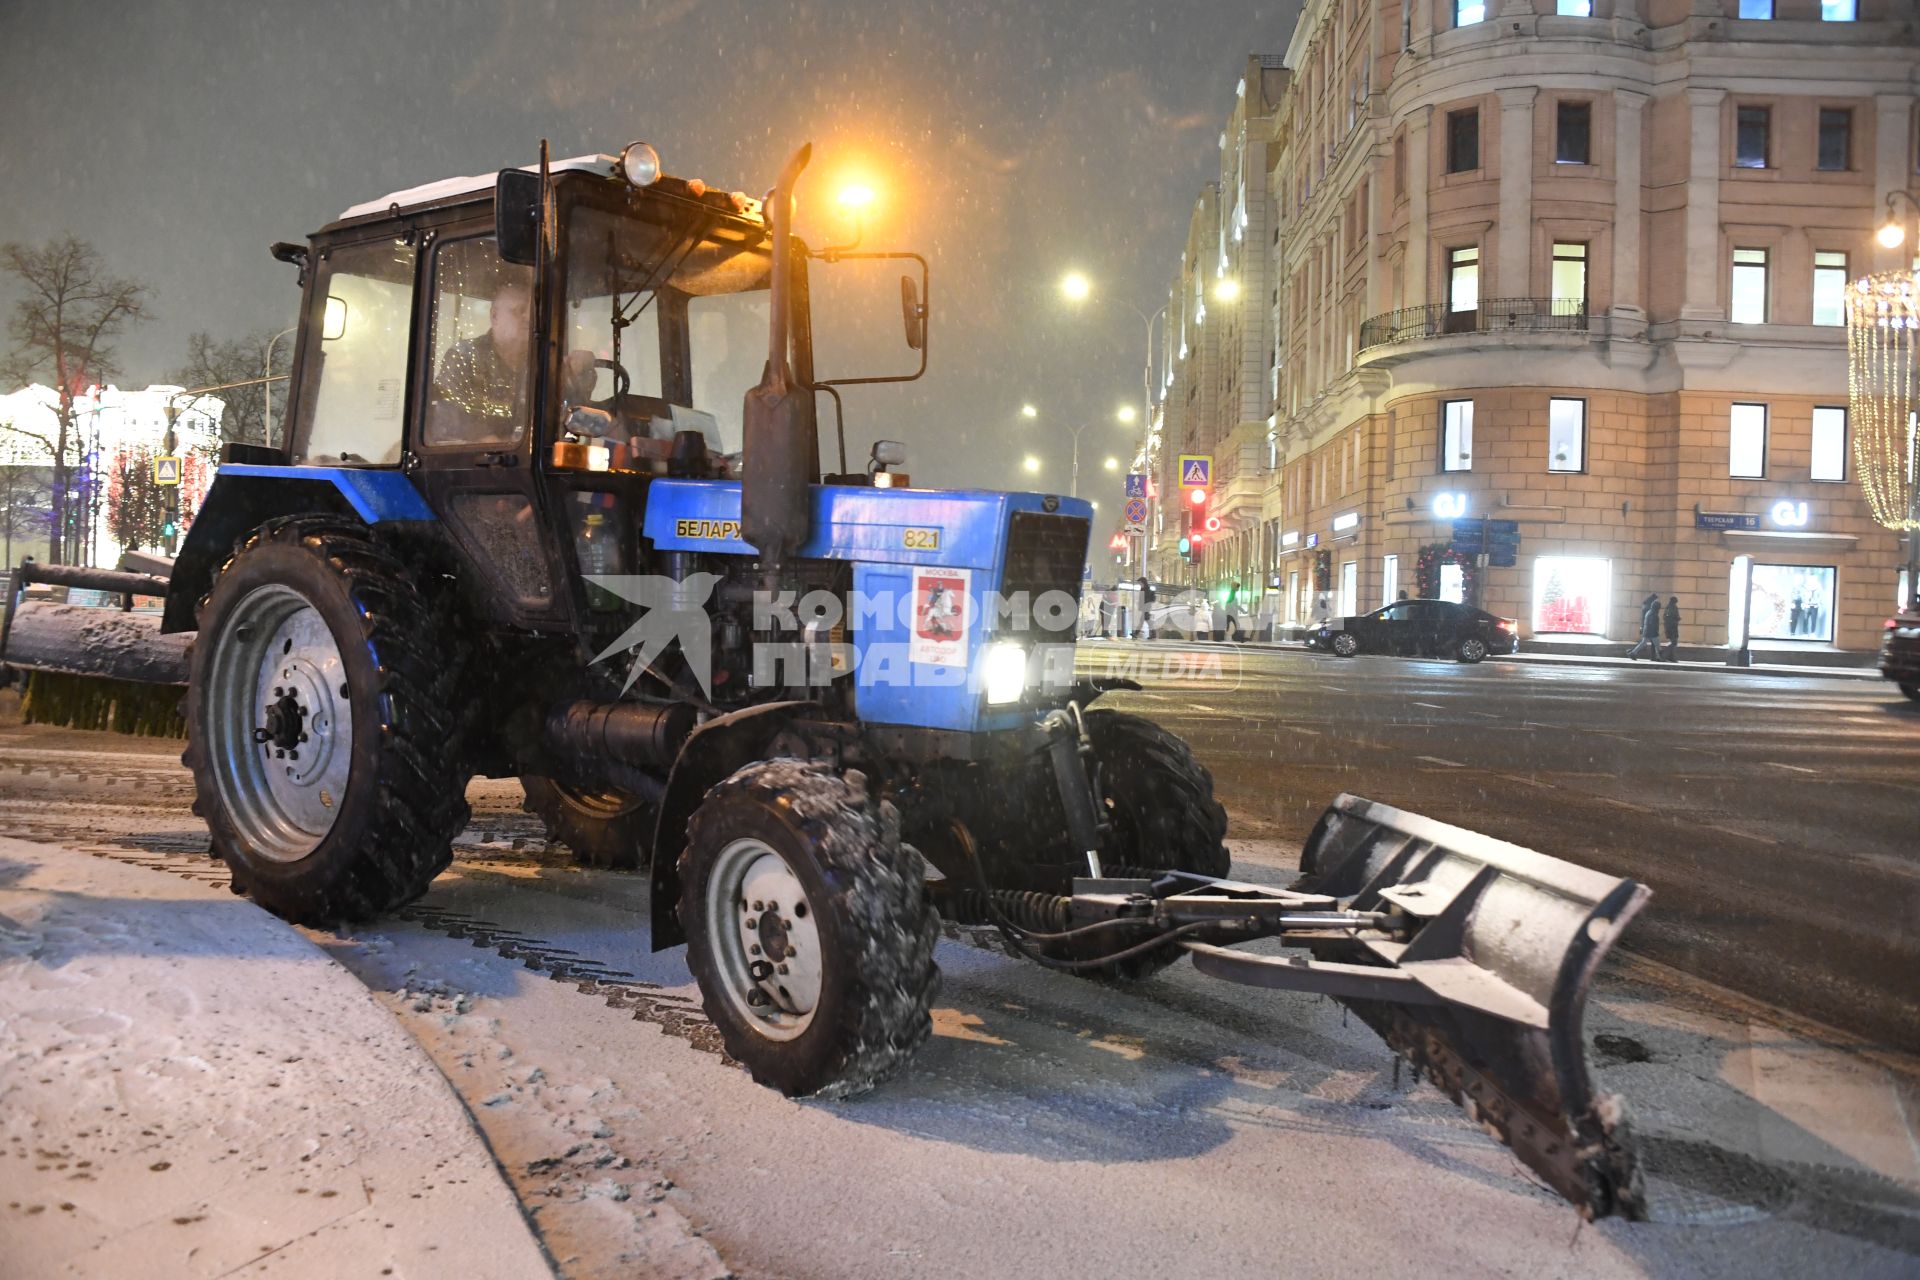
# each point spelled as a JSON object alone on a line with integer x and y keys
{"x": 779, "y": 447}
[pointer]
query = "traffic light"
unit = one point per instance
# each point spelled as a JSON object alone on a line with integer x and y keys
{"x": 1186, "y": 547}
{"x": 168, "y": 529}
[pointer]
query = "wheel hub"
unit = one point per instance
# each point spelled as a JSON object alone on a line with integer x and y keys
{"x": 286, "y": 722}
{"x": 767, "y": 944}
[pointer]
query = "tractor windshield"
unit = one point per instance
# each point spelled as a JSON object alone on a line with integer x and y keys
{"x": 664, "y": 318}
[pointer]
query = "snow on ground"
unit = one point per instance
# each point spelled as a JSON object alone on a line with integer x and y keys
{"x": 190, "y": 1088}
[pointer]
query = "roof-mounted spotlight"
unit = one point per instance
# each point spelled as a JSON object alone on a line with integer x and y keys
{"x": 640, "y": 164}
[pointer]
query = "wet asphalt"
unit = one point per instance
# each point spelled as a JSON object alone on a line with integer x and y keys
{"x": 1777, "y": 819}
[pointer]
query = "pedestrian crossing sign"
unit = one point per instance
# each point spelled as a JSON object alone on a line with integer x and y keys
{"x": 1196, "y": 471}
{"x": 166, "y": 469}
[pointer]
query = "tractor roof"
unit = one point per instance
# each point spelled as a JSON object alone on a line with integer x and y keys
{"x": 475, "y": 184}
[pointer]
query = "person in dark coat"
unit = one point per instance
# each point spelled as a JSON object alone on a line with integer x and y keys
{"x": 1671, "y": 623}
{"x": 1649, "y": 628}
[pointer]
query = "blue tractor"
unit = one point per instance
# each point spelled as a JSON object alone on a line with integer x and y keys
{"x": 525, "y": 524}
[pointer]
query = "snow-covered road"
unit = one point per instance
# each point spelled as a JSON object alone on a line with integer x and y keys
{"x": 1052, "y": 1126}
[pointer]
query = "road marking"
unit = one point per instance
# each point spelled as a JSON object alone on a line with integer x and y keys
{"x": 1432, "y": 706}
{"x": 1485, "y": 715}
{"x": 1745, "y": 835}
{"x": 1523, "y": 779}
{"x": 1201, "y": 706}
{"x": 1795, "y": 767}
{"x": 1623, "y": 804}
{"x": 1451, "y": 764}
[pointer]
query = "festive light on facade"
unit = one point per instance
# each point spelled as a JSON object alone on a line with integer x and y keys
{"x": 1883, "y": 326}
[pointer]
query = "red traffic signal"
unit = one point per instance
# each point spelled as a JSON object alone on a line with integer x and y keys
{"x": 1198, "y": 497}
{"x": 1211, "y": 524}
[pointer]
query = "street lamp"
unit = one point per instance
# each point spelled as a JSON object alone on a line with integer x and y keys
{"x": 1031, "y": 463}
{"x": 1113, "y": 464}
{"x": 266, "y": 373}
{"x": 1893, "y": 232}
{"x": 1075, "y": 287}
{"x": 1126, "y": 414}
{"x": 1028, "y": 411}
{"x": 1227, "y": 290}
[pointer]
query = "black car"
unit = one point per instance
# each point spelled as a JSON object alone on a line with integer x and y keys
{"x": 1419, "y": 629}
{"x": 1900, "y": 652}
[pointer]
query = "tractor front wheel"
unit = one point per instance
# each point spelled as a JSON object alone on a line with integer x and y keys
{"x": 319, "y": 724}
{"x": 808, "y": 928}
{"x": 608, "y": 829}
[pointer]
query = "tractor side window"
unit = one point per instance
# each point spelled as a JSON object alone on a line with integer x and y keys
{"x": 353, "y": 382}
{"x": 481, "y": 346}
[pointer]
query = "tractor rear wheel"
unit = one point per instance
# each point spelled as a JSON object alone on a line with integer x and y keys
{"x": 608, "y": 829}
{"x": 1161, "y": 814}
{"x": 808, "y": 928}
{"x": 319, "y": 725}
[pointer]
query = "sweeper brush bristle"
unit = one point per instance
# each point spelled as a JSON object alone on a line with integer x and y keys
{"x": 95, "y": 702}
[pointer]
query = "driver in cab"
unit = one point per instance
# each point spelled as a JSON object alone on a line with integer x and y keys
{"x": 481, "y": 389}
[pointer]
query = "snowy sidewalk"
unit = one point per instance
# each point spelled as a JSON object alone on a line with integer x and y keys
{"x": 188, "y": 1087}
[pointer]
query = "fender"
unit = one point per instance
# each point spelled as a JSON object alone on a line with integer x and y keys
{"x": 710, "y": 754}
{"x": 245, "y": 495}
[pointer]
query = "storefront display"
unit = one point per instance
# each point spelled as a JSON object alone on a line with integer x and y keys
{"x": 1571, "y": 595}
{"x": 1790, "y": 602}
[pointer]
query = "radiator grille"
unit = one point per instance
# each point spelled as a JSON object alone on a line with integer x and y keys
{"x": 1045, "y": 553}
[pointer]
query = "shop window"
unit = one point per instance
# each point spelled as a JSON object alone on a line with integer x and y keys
{"x": 1569, "y": 279}
{"x": 1756, "y": 10}
{"x": 1463, "y": 140}
{"x": 1752, "y": 135}
{"x": 1747, "y": 442}
{"x": 1788, "y": 602}
{"x": 1389, "y": 579}
{"x": 1463, "y": 279}
{"x": 1747, "y": 296}
{"x": 1456, "y": 435}
{"x": 1836, "y": 139}
{"x": 1573, "y": 132}
{"x": 1838, "y": 10}
{"x": 1566, "y": 435}
{"x": 1349, "y": 587}
{"x": 1293, "y": 595}
{"x": 1467, "y": 13}
{"x": 1829, "y": 443}
{"x": 1571, "y": 595}
{"x": 1829, "y": 288}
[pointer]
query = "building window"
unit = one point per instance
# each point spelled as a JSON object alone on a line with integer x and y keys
{"x": 1456, "y": 435}
{"x": 1400, "y": 166}
{"x": 1389, "y": 579}
{"x": 1754, "y": 127}
{"x": 1756, "y": 10}
{"x": 1829, "y": 443}
{"x": 1829, "y": 288}
{"x": 1789, "y": 601}
{"x": 1574, "y": 8}
{"x": 1569, "y": 279}
{"x": 1748, "y": 301}
{"x": 1463, "y": 141}
{"x": 1463, "y": 280}
{"x": 1836, "y": 139}
{"x": 1747, "y": 442}
{"x": 1468, "y": 12}
{"x": 1566, "y": 435}
{"x": 1573, "y": 136}
{"x": 1349, "y": 586}
{"x": 1571, "y": 595}
{"x": 1837, "y": 10}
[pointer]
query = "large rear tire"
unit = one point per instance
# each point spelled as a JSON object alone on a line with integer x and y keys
{"x": 609, "y": 829}
{"x": 319, "y": 729}
{"x": 808, "y": 928}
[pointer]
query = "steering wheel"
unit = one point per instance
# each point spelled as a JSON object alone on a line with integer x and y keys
{"x": 622, "y": 382}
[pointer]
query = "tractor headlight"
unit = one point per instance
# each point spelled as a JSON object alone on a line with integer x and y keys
{"x": 640, "y": 164}
{"x": 1004, "y": 672}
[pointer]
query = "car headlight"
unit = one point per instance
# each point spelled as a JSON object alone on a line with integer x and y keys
{"x": 1004, "y": 672}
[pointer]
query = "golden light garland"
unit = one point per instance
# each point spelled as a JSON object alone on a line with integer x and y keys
{"x": 1883, "y": 329}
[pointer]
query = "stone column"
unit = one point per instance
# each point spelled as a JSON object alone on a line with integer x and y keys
{"x": 1511, "y": 277}
{"x": 1892, "y": 147}
{"x": 1421, "y": 33}
{"x": 1629, "y": 299}
{"x": 1704, "y": 268}
{"x": 1419, "y": 237}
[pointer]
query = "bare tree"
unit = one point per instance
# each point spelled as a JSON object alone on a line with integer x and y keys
{"x": 63, "y": 326}
{"x": 214, "y": 364}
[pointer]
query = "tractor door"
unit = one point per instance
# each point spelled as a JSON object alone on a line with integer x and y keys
{"x": 474, "y": 434}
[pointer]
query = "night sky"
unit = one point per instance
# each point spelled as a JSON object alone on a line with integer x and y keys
{"x": 1008, "y": 142}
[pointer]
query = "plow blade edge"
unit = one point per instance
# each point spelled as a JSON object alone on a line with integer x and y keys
{"x": 1484, "y": 990}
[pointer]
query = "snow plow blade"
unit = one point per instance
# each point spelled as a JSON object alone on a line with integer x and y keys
{"x": 1475, "y": 969}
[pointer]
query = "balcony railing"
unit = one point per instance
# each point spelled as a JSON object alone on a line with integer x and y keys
{"x": 1493, "y": 315}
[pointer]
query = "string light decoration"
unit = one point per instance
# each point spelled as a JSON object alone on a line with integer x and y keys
{"x": 1883, "y": 329}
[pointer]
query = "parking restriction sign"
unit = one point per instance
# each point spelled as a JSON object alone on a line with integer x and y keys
{"x": 1136, "y": 511}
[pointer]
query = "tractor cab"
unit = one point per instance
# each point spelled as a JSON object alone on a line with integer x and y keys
{"x": 531, "y": 384}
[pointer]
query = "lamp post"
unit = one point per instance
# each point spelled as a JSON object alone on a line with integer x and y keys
{"x": 266, "y": 373}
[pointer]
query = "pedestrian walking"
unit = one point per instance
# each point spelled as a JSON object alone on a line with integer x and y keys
{"x": 1649, "y": 628}
{"x": 1670, "y": 620}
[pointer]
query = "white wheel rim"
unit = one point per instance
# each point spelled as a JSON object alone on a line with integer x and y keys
{"x": 765, "y": 939}
{"x": 278, "y": 723}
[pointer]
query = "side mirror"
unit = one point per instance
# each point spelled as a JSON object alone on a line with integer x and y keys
{"x": 914, "y": 313}
{"x": 887, "y": 453}
{"x": 516, "y": 216}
